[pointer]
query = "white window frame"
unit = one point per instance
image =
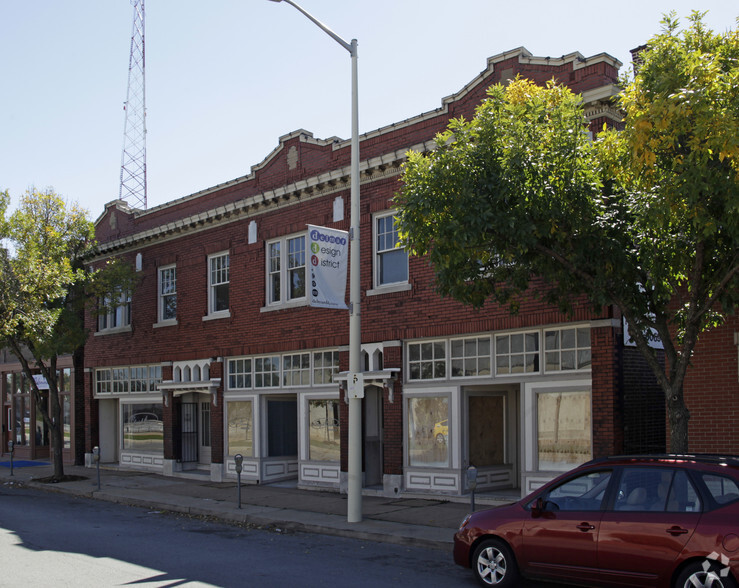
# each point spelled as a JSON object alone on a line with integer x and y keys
{"x": 262, "y": 375}
{"x": 577, "y": 349}
{"x": 322, "y": 375}
{"x": 464, "y": 358}
{"x": 117, "y": 319}
{"x": 212, "y": 285}
{"x": 433, "y": 360}
{"x": 162, "y": 296}
{"x": 282, "y": 271}
{"x": 524, "y": 353}
{"x": 296, "y": 376}
{"x": 378, "y": 253}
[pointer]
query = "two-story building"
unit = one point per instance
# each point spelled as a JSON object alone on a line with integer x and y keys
{"x": 217, "y": 352}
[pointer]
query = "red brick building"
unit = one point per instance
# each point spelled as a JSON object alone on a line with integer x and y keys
{"x": 218, "y": 353}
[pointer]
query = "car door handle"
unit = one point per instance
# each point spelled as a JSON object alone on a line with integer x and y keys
{"x": 585, "y": 527}
{"x": 677, "y": 530}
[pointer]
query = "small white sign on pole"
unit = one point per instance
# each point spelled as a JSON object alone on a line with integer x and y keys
{"x": 329, "y": 259}
{"x": 41, "y": 382}
{"x": 355, "y": 385}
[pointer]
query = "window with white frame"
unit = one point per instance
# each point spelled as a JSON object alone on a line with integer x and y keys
{"x": 218, "y": 283}
{"x": 267, "y": 372}
{"x": 239, "y": 373}
{"x": 567, "y": 349}
{"x": 115, "y": 315}
{"x": 391, "y": 261}
{"x": 122, "y": 380}
{"x": 296, "y": 369}
{"x": 428, "y": 431}
{"x": 325, "y": 365}
{"x": 167, "y": 293}
{"x": 427, "y": 360}
{"x": 517, "y": 353}
{"x": 324, "y": 441}
{"x": 286, "y": 270}
{"x": 564, "y": 427}
{"x": 470, "y": 357}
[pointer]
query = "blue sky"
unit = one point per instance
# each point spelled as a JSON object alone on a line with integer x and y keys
{"x": 226, "y": 78}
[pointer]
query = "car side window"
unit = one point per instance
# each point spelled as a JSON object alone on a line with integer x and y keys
{"x": 583, "y": 492}
{"x": 646, "y": 489}
{"x": 723, "y": 489}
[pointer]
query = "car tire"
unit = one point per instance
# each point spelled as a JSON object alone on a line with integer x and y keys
{"x": 706, "y": 573}
{"x": 493, "y": 564}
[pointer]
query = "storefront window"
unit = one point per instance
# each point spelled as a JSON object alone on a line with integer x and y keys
{"x": 564, "y": 427}
{"x": 241, "y": 428}
{"x": 325, "y": 444}
{"x": 428, "y": 431}
{"x": 143, "y": 428}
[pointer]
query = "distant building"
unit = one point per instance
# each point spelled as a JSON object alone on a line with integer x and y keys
{"x": 217, "y": 352}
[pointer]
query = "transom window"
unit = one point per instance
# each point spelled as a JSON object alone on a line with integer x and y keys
{"x": 286, "y": 270}
{"x": 218, "y": 282}
{"x": 290, "y": 370}
{"x": 427, "y": 360}
{"x": 126, "y": 379}
{"x": 567, "y": 349}
{"x": 470, "y": 357}
{"x": 267, "y": 372}
{"x": 167, "y": 293}
{"x": 517, "y": 353}
{"x": 296, "y": 369}
{"x": 391, "y": 261}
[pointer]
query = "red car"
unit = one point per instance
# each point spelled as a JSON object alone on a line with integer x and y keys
{"x": 654, "y": 521}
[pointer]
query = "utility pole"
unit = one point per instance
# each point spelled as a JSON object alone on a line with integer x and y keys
{"x": 133, "y": 160}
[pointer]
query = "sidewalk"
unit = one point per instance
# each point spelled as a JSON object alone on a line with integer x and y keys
{"x": 422, "y": 522}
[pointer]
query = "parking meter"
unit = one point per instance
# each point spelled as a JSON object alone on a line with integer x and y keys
{"x": 11, "y": 448}
{"x": 239, "y": 460}
{"x": 96, "y": 459}
{"x": 472, "y": 484}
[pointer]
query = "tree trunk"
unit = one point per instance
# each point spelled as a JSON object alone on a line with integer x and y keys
{"x": 678, "y": 416}
{"x": 56, "y": 427}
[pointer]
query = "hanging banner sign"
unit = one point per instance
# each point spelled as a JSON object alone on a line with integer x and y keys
{"x": 41, "y": 382}
{"x": 329, "y": 259}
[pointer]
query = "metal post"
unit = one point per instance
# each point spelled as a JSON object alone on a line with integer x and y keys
{"x": 11, "y": 448}
{"x": 96, "y": 457}
{"x": 239, "y": 459}
{"x": 354, "y": 497}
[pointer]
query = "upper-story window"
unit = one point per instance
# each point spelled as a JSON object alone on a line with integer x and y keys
{"x": 391, "y": 261}
{"x": 286, "y": 270}
{"x": 567, "y": 349}
{"x": 517, "y": 353}
{"x": 427, "y": 360}
{"x": 218, "y": 284}
{"x": 167, "y": 293}
{"x": 117, "y": 315}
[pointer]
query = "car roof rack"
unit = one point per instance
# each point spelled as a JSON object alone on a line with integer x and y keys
{"x": 711, "y": 458}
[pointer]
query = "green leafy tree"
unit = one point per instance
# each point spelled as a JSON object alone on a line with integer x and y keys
{"x": 646, "y": 219}
{"x": 43, "y": 289}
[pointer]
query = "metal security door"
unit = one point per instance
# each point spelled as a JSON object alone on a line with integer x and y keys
{"x": 189, "y": 431}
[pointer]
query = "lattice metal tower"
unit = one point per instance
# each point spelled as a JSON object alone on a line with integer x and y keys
{"x": 133, "y": 160}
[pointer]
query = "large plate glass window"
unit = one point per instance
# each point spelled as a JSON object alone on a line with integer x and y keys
{"x": 241, "y": 428}
{"x": 324, "y": 442}
{"x": 143, "y": 428}
{"x": 391, "y": 261}
{"x": 428, "y": 431}
{"x": 564, "y": 428}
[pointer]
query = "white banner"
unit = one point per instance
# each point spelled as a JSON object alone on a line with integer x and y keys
{"x": 329, "y": 259}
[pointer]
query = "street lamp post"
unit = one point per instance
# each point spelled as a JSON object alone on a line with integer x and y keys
{"x": 354, "y": 495}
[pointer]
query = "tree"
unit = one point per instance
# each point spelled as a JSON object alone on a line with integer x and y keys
{"x": 646, "y": 219}
{"x": 43, "y": 289}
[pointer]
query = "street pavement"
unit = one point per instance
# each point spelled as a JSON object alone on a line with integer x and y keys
{"x": 420, "y": 521}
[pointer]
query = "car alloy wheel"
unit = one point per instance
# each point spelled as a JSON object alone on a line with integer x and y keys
{"x": 494, "y": 564}
{"x": 709, "y": 574}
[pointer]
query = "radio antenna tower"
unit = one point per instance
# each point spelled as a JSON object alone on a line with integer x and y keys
{"x": 133, "y": 159}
